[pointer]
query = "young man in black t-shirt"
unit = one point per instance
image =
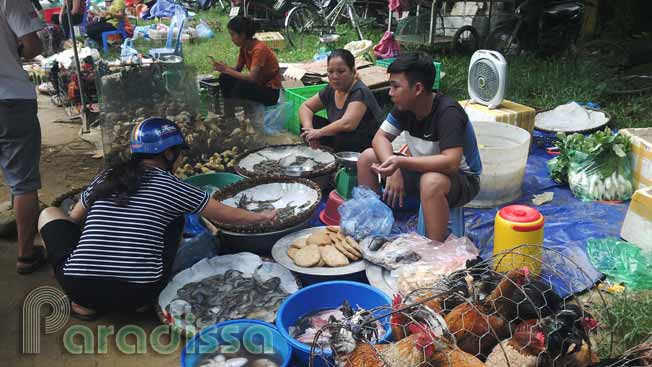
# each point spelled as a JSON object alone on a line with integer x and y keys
{"x": 444, "y": 167}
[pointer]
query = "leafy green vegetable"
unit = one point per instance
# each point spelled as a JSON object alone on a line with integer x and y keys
{"x": 599, "y": 146}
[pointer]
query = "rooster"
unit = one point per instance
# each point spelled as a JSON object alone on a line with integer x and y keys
{"x": 522, "y": 350}
{"x": 479, "y": 326}
{"x": 421, "y": 348}
{"x": 567, "y": 338}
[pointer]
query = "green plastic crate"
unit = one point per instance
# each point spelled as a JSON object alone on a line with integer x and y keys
{"x": 385, "y": 64}
{"x": 295, "y": 97}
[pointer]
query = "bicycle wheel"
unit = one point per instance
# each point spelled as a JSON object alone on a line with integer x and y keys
{"x": 466, "y": 40}
{"x": 629, "y": 84}
{"x": 302, "y": 25}
{"x": 501, "y": 40}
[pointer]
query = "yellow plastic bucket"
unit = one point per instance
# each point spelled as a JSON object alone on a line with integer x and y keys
{"x": 517, "y": 225}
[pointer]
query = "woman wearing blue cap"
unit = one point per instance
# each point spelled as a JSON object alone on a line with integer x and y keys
{"x": 115, "y": 250}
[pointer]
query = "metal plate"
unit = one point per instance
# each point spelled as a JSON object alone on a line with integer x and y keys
{"x": 285, "y": 155}
{"x": 280, "y": 255}
{"x": 380, "y": 278}
{"x": 539, "y": 124}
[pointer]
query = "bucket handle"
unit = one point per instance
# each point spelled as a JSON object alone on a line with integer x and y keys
{"x": 528, "y": 229}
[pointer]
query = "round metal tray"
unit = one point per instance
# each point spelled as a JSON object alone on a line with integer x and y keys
{"x": 244, "y": 160}
{"x": 280, "y": 255}
{"x": 380, "y": 278}
{"x": 570, "y": 131}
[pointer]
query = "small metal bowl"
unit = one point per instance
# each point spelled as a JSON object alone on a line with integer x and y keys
{"x": 297, "y": 171}
{"x": 348, "y": 159}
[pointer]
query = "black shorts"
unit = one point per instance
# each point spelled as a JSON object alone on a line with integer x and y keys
{"x": 106, "y": 294}
{"x": 464, "y": 187}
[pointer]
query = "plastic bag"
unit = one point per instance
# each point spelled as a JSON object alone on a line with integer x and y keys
{"x": 276, "y": 116}
{"x": 387, "y": 47}
{"x": 365, "y": 215}
{"x": 622, "y": 262}
{"x": 191, "y": 250}
{"x": 409, "y": 249}
{"x": 604, "y": 178}
{"x": 128, "y": 53}
{"x": 203, "y": 30}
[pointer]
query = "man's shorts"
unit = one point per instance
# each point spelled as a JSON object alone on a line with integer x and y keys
{"x": 20, "y": 145}
{"x": 464, "y": 187}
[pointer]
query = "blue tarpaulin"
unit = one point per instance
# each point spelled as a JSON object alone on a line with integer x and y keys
{"x": 569, "y": 223}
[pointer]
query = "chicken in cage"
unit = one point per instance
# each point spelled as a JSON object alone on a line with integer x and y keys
{"x": 479, "y": 317}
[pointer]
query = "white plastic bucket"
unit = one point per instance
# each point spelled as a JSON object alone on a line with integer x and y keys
{"x": 503, "y": 151}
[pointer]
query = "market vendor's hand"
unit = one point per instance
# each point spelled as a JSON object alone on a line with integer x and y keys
{"x": 394, "y": 190}
{"x": 389, "y": 167}
{"x": 309, "y": 135}
{"x": 268, "y": 216}
{"x": 219, "y": 66}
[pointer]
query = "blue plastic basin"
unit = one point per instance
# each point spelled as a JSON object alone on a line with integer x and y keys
{"x": 256, "y": 336}
{"x": 327, "y": 295}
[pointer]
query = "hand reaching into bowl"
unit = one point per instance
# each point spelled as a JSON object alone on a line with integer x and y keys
{"x": 268, "y": 216}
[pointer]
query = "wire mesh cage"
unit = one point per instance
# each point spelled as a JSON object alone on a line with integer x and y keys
{"x": 539, "y": 312}
{"x": 132, "y": 93}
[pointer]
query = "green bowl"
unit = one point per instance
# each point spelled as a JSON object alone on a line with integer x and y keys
{"x": 218, "y": 180}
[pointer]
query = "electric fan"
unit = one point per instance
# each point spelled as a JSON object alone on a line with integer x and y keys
{"x": 487, "y": 78}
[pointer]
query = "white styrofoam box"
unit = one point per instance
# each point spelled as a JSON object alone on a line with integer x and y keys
{"x": 637, "y": 227}
{"x": 641, "y": 155}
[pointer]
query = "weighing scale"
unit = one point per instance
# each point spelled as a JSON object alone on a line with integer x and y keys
{"x": 346, "y": 179}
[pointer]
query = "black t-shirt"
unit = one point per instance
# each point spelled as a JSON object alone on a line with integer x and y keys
{"x": 360, "y": 138}
{"x": 443, "y": 128}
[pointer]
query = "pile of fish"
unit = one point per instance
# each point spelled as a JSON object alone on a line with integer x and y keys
{"x": 229, "y": 296}
{"x": 247, "y": 203}
{"x": 276, "y": 167}
{"x": 308, "y": 326}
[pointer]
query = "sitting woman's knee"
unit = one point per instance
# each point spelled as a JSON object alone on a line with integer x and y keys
{"x": 49, "y": 214}
{"x": 433, "y": 183}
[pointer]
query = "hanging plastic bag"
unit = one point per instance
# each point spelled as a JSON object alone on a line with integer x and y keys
{"x": 203, "y": 30}
{"x": 275, "y": 116}
{"x": 621, "y": 261}
{"x": 600, "y": 178}
{"x": 365, "y": 215}
{"x": 128, "y": 53}
{"x": 387, "y": 48}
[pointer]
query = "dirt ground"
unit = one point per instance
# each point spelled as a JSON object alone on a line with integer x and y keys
{"x": 66, "y": 163}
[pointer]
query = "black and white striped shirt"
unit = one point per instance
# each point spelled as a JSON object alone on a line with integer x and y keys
{"x": 126, "y": 243}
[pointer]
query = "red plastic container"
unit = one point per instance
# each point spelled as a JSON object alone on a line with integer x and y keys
{"x": 330, "y": 216}
{"x": 48, "y": 13}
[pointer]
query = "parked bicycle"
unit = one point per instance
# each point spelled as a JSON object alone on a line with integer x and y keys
{"x": 311, "y": 23}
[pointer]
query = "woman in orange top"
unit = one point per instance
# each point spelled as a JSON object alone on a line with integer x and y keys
{"x": 262, "y": 83}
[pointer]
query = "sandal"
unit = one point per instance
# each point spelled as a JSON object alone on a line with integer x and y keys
{"x": 31, "y": 263}
{"x": 83, "y": 317}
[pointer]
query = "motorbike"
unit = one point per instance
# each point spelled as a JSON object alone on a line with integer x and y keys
{"x": 549, "y": 27}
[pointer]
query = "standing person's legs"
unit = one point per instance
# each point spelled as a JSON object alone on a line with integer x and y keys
{"x": 20, "y": 153}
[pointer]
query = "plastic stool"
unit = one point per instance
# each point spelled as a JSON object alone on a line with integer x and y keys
{"x": 456, "y": 222}
{"x": 105, "y": 36}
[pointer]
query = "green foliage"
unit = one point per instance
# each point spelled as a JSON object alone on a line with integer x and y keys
{"x": 627, "y": 319}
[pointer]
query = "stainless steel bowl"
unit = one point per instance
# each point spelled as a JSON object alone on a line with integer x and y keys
{"x": 347, "y": 159}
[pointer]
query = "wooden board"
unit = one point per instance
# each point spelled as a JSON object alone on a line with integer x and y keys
{"x": 374, "y": 76}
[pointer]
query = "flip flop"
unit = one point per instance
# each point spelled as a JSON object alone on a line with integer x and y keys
{"x": 33, "y": 262}
{"x": 84, "y": 317}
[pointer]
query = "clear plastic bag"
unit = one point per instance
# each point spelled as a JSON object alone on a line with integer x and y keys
{"x": 622, "y": 262}
{"x": 604, "y": 178}
{"x": 203, "y": 30}
{"x": 365, "y": 215}
{"x": 128, "y": 53}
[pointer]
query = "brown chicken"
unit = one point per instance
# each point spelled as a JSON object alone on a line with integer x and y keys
{"x": 478, "y": 327}
{"x": 420, "y": 348}
{"x": 522, "y": 350}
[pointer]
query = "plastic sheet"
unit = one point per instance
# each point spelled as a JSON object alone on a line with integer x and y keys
{"x": 365, "y": 214}
{"x": 622, "y": 262}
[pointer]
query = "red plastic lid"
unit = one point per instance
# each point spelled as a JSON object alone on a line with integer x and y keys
{"x": 519, "y": 214}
